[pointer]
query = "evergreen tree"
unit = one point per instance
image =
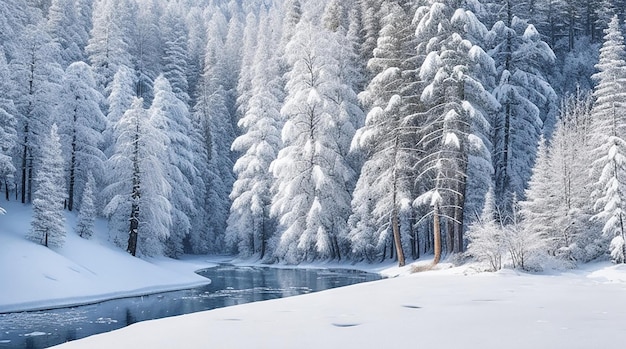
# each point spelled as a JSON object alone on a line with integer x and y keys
{"x": 212, "y": 112}
{"x": 8, "y": 125}
{"x": 119, "y": 101}
{"x": 175, "y": 51}
{"x": 522, "y": 91}
{"x": 609, "y": 129}
{"x": 384, "y": 141}
{"x": 171, "y": 116}
{"x": 87, "y": 213}
{"x": 146, "y": 45}
{"x": 48, "y": 224}
{"x": 64, "y": 26}
{"x": 81, "y": 126}
{"x": 249, "y": 224}
{"x": 455, "y": 72}
{"x": 312, "y": 201}
{"x": 36, "y": 77}
{"x": 138, "y": 188}
{"x": 109, "y": 44}
{"x": 486, "y": 236}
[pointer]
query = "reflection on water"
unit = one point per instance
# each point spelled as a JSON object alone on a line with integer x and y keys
{"x": 229, "y": 286}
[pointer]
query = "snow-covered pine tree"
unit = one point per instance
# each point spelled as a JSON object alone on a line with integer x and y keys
{"x": 522, "y": 91}
{"x": 249, "y": 224}
{"x": 573, "y": 235}
{"x": 455, "y": 129}
{"x": 486, "y": 236}
{"x": 81, "y": 124}
{"x": 139, "y": 211}
{"x": 64, "y": 26}
{"x": 36, "y": 77}
{"x": 122, "y": 93}
{"x": 251, "y": 34}
{"x": 146, "y": 45}
{"x": 48, "y": 224}
{"x": 609, "y": 128}
{"x": 8, "y": 125}
{"x": 212, "y": 112}
{"x": 540, "y": 207}
{"x": 170, "y": 115}
{"x": 175, "y": 39}
{"x": 384, "y": 142}
{"x": 312, "y": 200}
{"x": 109, "y": 43}
{"x": 87, "y": 212}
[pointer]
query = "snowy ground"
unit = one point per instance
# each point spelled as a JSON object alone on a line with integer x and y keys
{"x": 35, "y": 277}
{"x": 447, "y": 308}
{"x": 580, "y": 309}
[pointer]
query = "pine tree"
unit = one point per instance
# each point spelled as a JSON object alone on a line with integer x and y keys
{"x": 138, "y": 188}
{"x": 64, "y": 26}
{"x": 522, "y": 91}
{"x": 109, "y": 43}
{"x": 249, "y": 224}
{"x": 120, "y": 98}
{"x": 81, "y": 126}
{"x": 175, "y": 51}
{"x": 609, "y": 129}
{"x": 48, "y": 224}
{"x": 170, "y": 115}
{"x": 215, "y": 121}
{"x": 36, "y": 77}
{"x": 8, "y": 125}
{"x": 486, "y": 236}
{"x": 384, "y": 141}
{"x": 87, "y": 213}
{"x": 312, "y": 201}
{"x": 455, "y": 132}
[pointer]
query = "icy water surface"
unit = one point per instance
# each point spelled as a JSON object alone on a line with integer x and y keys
{"x": 229, "y": 286}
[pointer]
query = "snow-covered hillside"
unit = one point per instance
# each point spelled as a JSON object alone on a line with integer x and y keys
{"x": 82, "y": 271}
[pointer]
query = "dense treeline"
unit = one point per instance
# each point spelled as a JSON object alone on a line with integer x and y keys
{"x": 312, "y": 130}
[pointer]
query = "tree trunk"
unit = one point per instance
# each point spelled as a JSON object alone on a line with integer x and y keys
{"x": 450, "y": 234}
{"x": 397, "y": 240}
{"x": 70, "y": 197}
{"x": 436, "y": 235}
{"x": 134, "y": 227}
{"x": 136, "y": 195}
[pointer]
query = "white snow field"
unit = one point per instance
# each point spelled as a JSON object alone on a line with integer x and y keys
{"x": 440, "y": 309}
{"x": 36, "y": 277}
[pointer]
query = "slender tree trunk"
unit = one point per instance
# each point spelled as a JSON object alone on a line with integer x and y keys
{"x": 70, "y": 200}
{"x": 397, "y": 241}
{"x": 450, "y": 234}
{"x": 394, "y": 219}
{"x": 24, "y": 164}
{"x": 436, "y": 235}
{"x": 134, "y": 228}
{"x": 136, "y": 196}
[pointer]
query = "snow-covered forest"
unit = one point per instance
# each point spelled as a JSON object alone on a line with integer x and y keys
{"x": 308, "y": 130}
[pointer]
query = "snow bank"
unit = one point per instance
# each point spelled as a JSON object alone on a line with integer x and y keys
{"x": 82, "y": 271}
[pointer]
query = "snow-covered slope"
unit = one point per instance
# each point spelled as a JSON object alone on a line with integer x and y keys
{"x": 82, "y": 271}
{"x": 442, "y": 309}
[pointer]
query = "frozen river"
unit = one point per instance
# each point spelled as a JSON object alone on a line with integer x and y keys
{"x": 229, "y": 286}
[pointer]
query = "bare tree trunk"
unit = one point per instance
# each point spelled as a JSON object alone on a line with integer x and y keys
{"x": 450, "y": 234}
{"x": 397, "y": 241}
{"x": 134, "y": 227}
{"x": 436, "y": 234}
{"x": 394, "y": 219}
